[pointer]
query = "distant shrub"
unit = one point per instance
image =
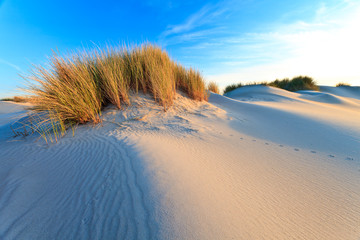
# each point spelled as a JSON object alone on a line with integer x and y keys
{"x": 341, "y": 84}
{"x": 239, "y": 85}
{"x": 280, "y": 83}
{"x": 21, "y": 99}
{"x": 17, "y": 99}
{"x": 74, "y": 89}
{"x": 231, "y": 87}
{"x": 295, "y": 84}
{"x": 213, "y": 87}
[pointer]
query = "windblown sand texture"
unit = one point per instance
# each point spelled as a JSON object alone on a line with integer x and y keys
{"x": 258, "y": 163}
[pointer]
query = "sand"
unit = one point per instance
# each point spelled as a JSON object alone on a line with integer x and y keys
{"x": 259, "y": 163}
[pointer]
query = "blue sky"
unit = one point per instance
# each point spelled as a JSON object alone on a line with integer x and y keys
{"x": 228, "y": 41}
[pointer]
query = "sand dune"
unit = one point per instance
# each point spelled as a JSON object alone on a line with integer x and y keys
{"x": 259, "y": 163}
{"x": 344, "y": 91}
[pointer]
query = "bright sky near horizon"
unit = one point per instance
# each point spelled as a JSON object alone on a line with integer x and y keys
{"x": 229, "y": 41}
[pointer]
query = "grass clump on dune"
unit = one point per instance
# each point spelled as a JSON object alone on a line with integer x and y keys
{"x": 68, "y": 88}
{"x": 159, "y": 75}
{"x": 75, "y": 88}
{"x": 213, "y": 87}
{"x": 342, "y": 84}
{"x": 231, "y": 87}
{"x": 18, "y": 99}
{"x": 295, "y": 84}
{"x": 109, "y": 71}
{"x": 190, "y": 81}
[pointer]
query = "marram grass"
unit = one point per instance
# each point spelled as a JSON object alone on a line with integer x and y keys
{"x": 295, "y": 84}
{"x": 342, "y": 84}
{"x": 74, "y": 89}
{"x": 213, "y": 87}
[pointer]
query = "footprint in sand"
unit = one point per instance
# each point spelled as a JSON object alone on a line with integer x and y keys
{"x": 313, "y": 151}
{"x": 281, "y": 145}
{"x": 241, "y": 138}
{"x": 254, "y": 140}
{"x": 266, "y": 143}
{"x": 331, "y": 156}
{"x": 349, "y": 158}
{"x": 296, "y": 149}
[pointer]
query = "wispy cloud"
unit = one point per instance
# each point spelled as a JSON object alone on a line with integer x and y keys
{"x": 197, "y": 25}
{"x": 2, "y": 61}
{"x": 192, "y": 22}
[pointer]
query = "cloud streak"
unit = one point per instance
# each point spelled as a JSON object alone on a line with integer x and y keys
{"x": 196, "y": 26}
{"x": 10, "y": 65}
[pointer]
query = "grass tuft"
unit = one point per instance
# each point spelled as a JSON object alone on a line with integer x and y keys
{"x": 159, "y": 76}
{"x": 18, "y": 99}
{"x": 342, "y": 84}
{"x": 213, "y": 87}
{"x": 295, "y": 84}
{"x": 239, "y": 85}
{"x": 68, "y": 88}
{"x": 191, "y": 82}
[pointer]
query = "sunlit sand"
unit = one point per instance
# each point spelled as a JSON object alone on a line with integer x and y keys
{"x": 257, "y": 163}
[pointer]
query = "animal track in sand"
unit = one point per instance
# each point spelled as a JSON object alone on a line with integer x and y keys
{"x": 85, "y": 220}
{"x": 349, "y": 158}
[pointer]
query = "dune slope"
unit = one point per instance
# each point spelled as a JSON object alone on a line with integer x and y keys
{"x": 264, "y": 164}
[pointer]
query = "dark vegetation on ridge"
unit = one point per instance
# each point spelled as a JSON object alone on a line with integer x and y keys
{"x": 295, "y": 84}
{"x": 342, "y": 84}
{"x": 17, "y": 99}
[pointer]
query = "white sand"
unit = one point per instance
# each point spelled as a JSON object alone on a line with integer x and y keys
{"x": 261, "y": 163}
